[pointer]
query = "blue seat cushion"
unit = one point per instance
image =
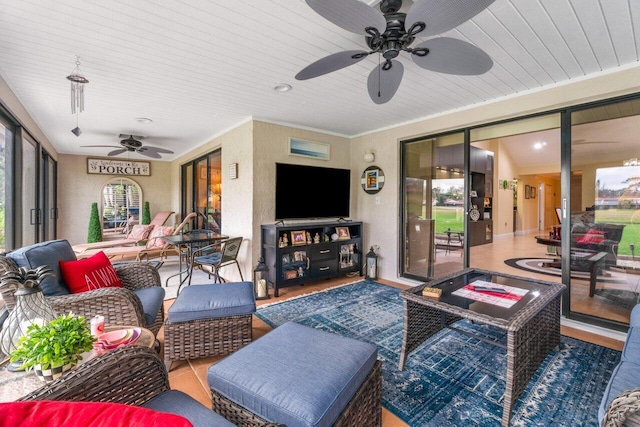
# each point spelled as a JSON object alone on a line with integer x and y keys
{"x": 635, "y": 316}
{"x": 151, "y": 299}
{"x": 211, "y": 259}
{"x": 631, "y": 350}
{"x": 176, "y": 402}
{"x": 295, "y": 375}
{"x": 626, "y": 376}
{"x": 46, "y": 253}
{"x": 211, "y": 301}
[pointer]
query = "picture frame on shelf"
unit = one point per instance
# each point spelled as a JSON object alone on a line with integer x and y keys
{"x": 343, "y": 233}
{"x": 298, "y": 238}
{"x": 290, "y": 274}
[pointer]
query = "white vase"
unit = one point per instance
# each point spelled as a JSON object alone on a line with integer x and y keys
{"x": 51, "y": 373}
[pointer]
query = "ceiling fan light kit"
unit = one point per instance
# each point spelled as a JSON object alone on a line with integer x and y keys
{"x": 390, "y": 32}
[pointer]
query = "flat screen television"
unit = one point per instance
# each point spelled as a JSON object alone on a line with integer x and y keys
{"x": 307, "y": 192}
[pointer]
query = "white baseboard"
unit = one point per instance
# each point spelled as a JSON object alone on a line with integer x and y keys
{"x": 523, "y": 232}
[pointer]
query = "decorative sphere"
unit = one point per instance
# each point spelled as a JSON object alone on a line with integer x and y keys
{"x": 334, "y": 237}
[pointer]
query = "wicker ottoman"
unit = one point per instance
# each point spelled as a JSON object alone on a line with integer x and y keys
{"x": 299, "y": 377}
{"x": 208, "y": 320}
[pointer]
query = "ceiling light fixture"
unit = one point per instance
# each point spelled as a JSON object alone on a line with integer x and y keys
{"x": 282, "y": 87}
{"x": 144, "y": 120}
{"x": 77, "y": 94}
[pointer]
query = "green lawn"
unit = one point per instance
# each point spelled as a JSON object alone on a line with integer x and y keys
{"x": 448, "y": 217}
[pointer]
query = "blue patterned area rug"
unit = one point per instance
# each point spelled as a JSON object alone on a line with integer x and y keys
{"x": 453, "y": 379}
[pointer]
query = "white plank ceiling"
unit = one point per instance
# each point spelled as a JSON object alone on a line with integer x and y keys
{"x": 199, "y": 67}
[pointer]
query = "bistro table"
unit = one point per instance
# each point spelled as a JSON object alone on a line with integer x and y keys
{"x": 189, "y": 241}
{"x": 14, "y": 385}
{"x": 531, "y": 323}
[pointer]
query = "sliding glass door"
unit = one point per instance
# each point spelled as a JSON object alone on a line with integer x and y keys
{"x": 604, "y": 210}
{"x": 202, "y": 191}
{"x": 433, "y": 191}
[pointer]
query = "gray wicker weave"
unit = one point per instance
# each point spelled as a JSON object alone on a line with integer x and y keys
{"x": 624, "y": 410}
{"x": 364, "y": 408}
{"x": 205, "y": 337}
{"x": 119, "y": 306}
{"x": 532, "y": 332}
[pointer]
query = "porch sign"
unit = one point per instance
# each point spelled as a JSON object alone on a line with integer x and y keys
{"x": 118, "y": 167}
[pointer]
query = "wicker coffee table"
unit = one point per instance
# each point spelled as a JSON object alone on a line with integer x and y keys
{"x": 532, "y": 324}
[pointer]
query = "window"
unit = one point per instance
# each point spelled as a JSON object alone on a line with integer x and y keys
{"x": 121, "y": 204}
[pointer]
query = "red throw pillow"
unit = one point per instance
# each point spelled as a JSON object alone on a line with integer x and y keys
{"x": 592, "y": 236}
{"x": 47, "y": 413}
{"x": 90, "y": 273}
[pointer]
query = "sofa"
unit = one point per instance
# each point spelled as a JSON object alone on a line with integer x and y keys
{"x": 620, "y": 405}
{"x": 137, "y": 303}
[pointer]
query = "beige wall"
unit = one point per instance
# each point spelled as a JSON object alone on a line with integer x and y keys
{"x": 77, "y": 190}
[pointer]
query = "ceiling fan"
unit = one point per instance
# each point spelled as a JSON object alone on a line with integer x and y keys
{"x": 391, "y": 32}
{"x": 132, "y": 143}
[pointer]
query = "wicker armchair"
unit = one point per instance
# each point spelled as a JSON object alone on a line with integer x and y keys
{"x": 119, "y": 306}
{"x": 624, "y": 410}
{"x": 131, "y": 375}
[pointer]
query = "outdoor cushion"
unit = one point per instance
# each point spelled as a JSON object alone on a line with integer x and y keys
{"x": 155, "y": 240}
{"x": 211, "y": 301}
{"x": 139, "y": 232}
{"x": 176, "y": 402}
{"x": 210, "y": 259}
{"x": 626, "y": 376}
{"x": 295, "y": 375}
{"x": 631, "y": 350}
{"x": 151, "y": 299}
{"x": 47, "y": 413}
{"x": 89, "y": 274}
{"x": 46, "y": 253}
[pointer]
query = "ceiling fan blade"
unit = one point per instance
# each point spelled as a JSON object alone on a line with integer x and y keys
{"x": 116, "y": 152}
{"x": 441, "y": 16}
{"x": 383, "y": 84}
{"x": 101, "y": 146}
{"x": 352, "y": 15}
{"x": 146, "y": 152}
{"x": 453, "y": 56}
{"x": 331, "y": 63}
{"x": 158, "y": 149}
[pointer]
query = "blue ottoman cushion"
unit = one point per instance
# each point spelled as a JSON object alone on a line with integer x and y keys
{"x": 211, "y": 301}
{"x": 151, "y": 299}
{"x": 46, "y": 253}
{"x": 176, "y": 402}
{"x": 295, "y": 375}
{"x": 631, "y": 350}
{"x": 627, "y": 376}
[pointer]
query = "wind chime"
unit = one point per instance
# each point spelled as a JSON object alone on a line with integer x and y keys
{"x": 77, "y": 94}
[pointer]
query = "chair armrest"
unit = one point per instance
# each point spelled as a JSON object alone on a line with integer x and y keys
{"x": 624, "y": 410}
{"x": 119, "y": 306}
{"x": 131, "y": 375}
{"x": 138, "y": 276}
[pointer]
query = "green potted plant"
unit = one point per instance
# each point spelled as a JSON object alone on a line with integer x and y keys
{"x": 95, "y": 230}
{"x": 146, "y": 214}
{"x": 54, "y": 347}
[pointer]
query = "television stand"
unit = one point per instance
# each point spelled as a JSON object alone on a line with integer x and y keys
{"x": 301, "y": 253}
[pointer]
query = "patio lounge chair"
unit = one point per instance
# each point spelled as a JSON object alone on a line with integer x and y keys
{"x": 138, "y": 234}
{"x": 155, "y": 246}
